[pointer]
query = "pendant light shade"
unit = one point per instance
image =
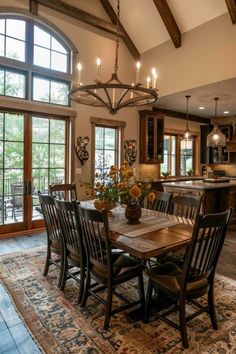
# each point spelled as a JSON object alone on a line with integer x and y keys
{"x": 216, "y": 138}
{"x": 187, "y": 133}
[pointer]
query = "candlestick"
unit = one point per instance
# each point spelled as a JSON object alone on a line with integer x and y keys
{"x": 98, "y": 62}
{"x": 113, "y": 97}
{"x": 138, "y": 64}
{"x": 154, "y": 78}
{"x": 79, "y": 67}
{"x": 148, "y": 82}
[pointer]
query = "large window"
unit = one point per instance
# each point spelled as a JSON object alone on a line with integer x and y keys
{"x": 169, "y": 164}
{"x": 36, "y": 66}
{"x": 107, "y": 142}
{"x": 186, "y": 156}
{"x": 106, "y": 153}
{"x": 178, "y": 155}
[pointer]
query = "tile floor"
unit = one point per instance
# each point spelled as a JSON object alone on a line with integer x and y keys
{"x": 14, "y": 336}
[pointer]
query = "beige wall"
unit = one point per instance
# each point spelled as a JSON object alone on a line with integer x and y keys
{"x": 179, "y": 69}
{"x": 207, "y": 55}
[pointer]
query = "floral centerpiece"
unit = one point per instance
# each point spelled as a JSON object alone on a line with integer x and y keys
{"x": 118, "y": 186}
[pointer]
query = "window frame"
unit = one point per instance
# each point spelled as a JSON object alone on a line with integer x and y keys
{"x": 107, "y": 123}
{"x": 178, "y": 136}
{"x": 28, "y": 67}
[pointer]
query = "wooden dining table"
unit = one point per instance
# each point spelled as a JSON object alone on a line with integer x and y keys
{"x": 144, "y": 245}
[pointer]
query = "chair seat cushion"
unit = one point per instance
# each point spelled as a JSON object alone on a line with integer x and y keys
{"x": 121, "y": 265}
{"x": 167, "y": 277}
{"x": 73, "y": 254}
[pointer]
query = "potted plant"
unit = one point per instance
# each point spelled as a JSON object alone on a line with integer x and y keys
{"x": 165, "y": 174}
{"x": 190, "y": 172}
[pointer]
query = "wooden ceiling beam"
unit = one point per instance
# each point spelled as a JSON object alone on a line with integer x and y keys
{"x": 231, "y": 5}
{"x": 127, "y": 40}
{"x": 169, "y": 21}
{"x": 33, "y": 5}
{"x": 82, "y": 15}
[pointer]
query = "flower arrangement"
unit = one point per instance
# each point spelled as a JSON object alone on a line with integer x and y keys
{"x": 118, "y": 186}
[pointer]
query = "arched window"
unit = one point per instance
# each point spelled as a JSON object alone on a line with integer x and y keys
{"x": 35, "y": 62}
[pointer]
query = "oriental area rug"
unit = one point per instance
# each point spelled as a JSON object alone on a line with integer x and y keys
{"x": 59, "y": 325}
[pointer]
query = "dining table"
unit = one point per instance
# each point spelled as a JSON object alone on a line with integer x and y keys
{"x": 155, "y": 235}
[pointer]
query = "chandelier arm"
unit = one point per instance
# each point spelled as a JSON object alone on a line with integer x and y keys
{"x": 108, "y": 97}
{"x": 99, "y": 98}
{"x": 133, "y": 100}
{"x": 118, "y": 105}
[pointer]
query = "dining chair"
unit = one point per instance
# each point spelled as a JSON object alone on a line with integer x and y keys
{"x": 108, "y": 269}
{"x": 196, "y": 278}
{"x": 186, "y": 208}
{"x": 54, "y": 245}
{"x": 63, "y": 191}
{"x": 16, "y": 201}
{"x": 73, "y": 252}
{"x": 161, "y": 203}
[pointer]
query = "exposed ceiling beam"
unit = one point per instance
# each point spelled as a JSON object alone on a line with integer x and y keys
{"x": 180, "y": 115}
{"x": 169, "y": 21}
{"x": 127, "y": 40}
{"x": 82, "y": 15}
{"x": 231, "y": 5}
{"x": 33, "y": 5}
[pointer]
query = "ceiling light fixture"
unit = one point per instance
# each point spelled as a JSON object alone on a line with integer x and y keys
{"x": 226, "y": 112}
{"x": 187, "y": 133}
{"x": 113, "y": 94}
{"x": 201, "y": 108}
{"x": 216, "y": 137}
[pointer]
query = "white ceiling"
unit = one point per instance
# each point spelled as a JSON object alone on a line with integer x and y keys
{"x": 143, "y": 23}
{"x": 203, "y": 96}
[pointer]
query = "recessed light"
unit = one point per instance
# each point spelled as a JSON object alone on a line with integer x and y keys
{"x": 201, "y": 107}
{"x": 226, "y": 112}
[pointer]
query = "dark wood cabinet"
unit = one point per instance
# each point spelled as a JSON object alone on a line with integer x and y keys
{"x": 151, "y": 137}
{"x": 214, "y": 155}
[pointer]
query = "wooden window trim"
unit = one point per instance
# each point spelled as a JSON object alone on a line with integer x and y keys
{"x": 110, "y": 123}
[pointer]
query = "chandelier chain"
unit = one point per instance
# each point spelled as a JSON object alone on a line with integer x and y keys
{"x": 117, "y": 38}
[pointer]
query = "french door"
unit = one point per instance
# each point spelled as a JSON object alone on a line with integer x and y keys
{"x": 33, "y": 154}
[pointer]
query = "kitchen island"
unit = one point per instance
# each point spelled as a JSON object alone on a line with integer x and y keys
{"x": 217, "y": 197}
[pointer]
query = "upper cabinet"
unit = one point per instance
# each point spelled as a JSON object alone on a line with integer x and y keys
{"x": 215, "y": 155}
{"x": 151, "y": 137}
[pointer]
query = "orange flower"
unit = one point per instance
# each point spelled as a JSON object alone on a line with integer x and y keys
{"x": 151, "y": 197}
{"x": 120, "y": 185}
{"x": 102, "y": 188}
{"x": 114, "y": 186}
{"x": 135, "y": 192}
{"x": 130, "y": 173}
{"x": 98, "y": 184}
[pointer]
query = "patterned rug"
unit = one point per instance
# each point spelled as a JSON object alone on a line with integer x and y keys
{"x": 60, "y": 326}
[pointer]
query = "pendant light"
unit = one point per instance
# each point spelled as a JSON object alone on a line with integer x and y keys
{"x": 187, "y": 133}
{"x": 216, "y": 138}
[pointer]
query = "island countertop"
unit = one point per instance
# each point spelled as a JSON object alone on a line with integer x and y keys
{"x": 200, "y": 185}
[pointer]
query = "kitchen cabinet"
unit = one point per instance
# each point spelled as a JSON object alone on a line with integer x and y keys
{"x": 214, "y": 155}
{"x": 151, "y": 137}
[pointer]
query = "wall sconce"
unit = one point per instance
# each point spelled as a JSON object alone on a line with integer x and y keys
{"x": 81, "y": 149}
{"x": 130, "y": 151}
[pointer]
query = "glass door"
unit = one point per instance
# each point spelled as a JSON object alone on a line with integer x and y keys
{"x": 33, "y": 154}
{"x": 12, "y": 175}
{"x": 49, "y": 155}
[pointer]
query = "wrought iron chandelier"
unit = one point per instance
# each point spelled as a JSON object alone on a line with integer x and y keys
{"x": 216, "y": 138}
{"x": 114, "y": 94}
{"x": 187, "y": 133}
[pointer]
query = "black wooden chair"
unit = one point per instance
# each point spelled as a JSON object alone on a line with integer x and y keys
{"x": 63, "y": 191}
{"x": 73, "y": 254}
{"x": 161, "y": 203}
{"x": 54, "y": 245}
{"x": 196, "y": 278}
{"x": 106, "y": 268}
{"x": 186, "y": 208}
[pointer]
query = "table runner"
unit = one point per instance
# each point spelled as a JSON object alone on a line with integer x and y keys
{"x": 150, "y": 221}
